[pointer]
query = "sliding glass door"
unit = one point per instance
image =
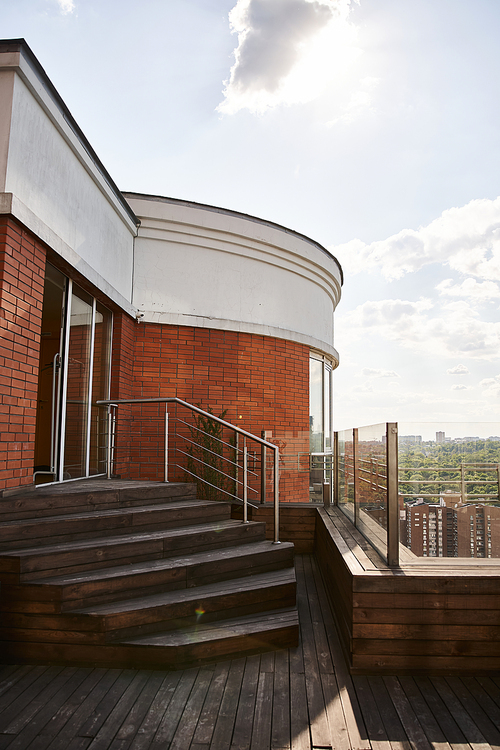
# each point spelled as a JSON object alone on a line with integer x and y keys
{"x": 74, "y": 374}
{"x": 86, "y": 362}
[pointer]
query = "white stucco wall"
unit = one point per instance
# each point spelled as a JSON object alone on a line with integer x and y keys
{"x": 202, "y": 266}
{"x": 51, "y": 182}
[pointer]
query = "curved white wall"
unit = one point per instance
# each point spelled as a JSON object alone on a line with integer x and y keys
{"x": 202, "y": 266}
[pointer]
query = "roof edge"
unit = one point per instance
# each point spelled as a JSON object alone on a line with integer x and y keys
{"x": 231, "y": 212}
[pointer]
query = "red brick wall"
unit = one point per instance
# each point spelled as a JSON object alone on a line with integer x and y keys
{"x": 263, "y": 382}
{"x": 22, "y": 271}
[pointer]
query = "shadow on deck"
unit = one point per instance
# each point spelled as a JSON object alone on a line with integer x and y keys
{"x": 300, "y": 699}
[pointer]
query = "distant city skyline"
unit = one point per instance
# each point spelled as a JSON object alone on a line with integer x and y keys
{"x": 370, "y": 126}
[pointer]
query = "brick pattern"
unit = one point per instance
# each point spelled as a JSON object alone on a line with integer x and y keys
{"x": 262, "y": 382}
{"x": 22, "y": 271}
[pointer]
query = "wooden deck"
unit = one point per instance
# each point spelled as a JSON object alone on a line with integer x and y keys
{"x": 299, "y": 699}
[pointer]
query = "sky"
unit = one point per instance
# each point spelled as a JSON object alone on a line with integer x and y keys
{"x": 371, "y": 127}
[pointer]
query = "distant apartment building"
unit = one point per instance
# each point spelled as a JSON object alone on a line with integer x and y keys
{"x": 439, "y": 530}
{"x": 431, "y": 530}
{"x": 410, "y": 439}
{"x": 478, "y": 531}
{"x": 440, "y": 437}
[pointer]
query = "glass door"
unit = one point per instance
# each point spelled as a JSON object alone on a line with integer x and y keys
{"x": 86, "y": 363}
{"x": 74, "y": 373}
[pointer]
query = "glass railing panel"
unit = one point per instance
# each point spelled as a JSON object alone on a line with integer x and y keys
{"x": 449, "y": 489}
{"x": 294, "y": 465}
{"x": 371, "y": 485}
{"x": 345, "y": 473}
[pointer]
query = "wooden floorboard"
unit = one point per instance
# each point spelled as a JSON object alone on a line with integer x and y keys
{"x": 302, "y": 698}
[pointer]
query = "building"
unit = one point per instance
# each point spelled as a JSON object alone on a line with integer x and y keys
{"x": 105, "y": 294}
{"x": 478, "y": 529}
{"x": 431, "y": 530}
{"x": 452, "y": 530}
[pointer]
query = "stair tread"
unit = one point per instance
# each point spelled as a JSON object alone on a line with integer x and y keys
{"x": 238, "y": 626}
{"x": 124, "y": 538}
{"x": 195, "y": 593}
{"x": 111, "y": 512}
{"x": 179, "y": 561}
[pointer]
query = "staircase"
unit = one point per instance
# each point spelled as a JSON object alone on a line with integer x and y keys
{"x": 137, "y": 575}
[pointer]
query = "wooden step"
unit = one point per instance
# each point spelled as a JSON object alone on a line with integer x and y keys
{"x": 156, "y": 576}
{"x": 243, "y": 635}
{"x": 31, "y": 563}
{"x": 105, "y": 573}
{"x": 125, "y": 619}
{"x": 101, "y": 523}
{"x": 221, "y": 600}
{"x": 88, "y": 495}
{"x": 239, "y": 636}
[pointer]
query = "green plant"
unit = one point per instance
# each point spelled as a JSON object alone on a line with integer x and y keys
{"x": 213, "y": 470}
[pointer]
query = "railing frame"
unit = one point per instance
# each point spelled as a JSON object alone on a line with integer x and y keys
{"x": 391, "y": 488}
{"x": 113, "y": 405}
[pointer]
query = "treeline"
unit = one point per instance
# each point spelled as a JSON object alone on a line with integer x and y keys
{"x": 416, "y": 464}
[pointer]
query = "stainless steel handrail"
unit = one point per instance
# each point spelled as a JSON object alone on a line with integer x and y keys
{"x": 114, "y": 403}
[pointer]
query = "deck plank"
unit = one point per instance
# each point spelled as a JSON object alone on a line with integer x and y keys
{"x": 156, "y": 711}
{"x": 187, "y": 724}
{"x": 223, "y": 731}
{"x": 476, "y": 712}
{"x": 261, "y": 733}
{"x": 171, "y": 717}
{"x": 206, "y": 722}
{"x": 464, "y": 720}
{"x": 394, "y": 729}
{"x": 48, "y": 713}
{"x": 320, "y": 731}
{"x": 242, "y": 733}
{"x": 280, "y": 732}
{"x": 349, "y": 700}
{"x": 407, "y": 715}
{"x": 426, "y": 718}
{"x": 440, "y": 711}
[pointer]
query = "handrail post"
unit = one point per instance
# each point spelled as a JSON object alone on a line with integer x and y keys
{"x": 392, "y": 495}
{"x": 355, "y": 473}
{"x": 263, "y": 468}
{"x": 245, "y": 483}
{"x": 166, "y": 444}
{"x": 336, "y": 468}
{"x": 276, "y": 495}
{"x": 111, "y": 436}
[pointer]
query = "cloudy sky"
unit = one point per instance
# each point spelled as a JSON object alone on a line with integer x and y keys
{"x": 371, "y": 126}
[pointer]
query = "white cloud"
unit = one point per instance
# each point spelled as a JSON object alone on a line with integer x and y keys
{"x": 66, "y": 6}
{"x": 457, "y": 387}
{"x": 491, "y": 387}
{"x": 458, "y": 370}
{"x": 288, "y": 51}
{"x": 467, "y": 239}
{"x": 478, "y": 290}
{"x": 369, "y": 372}
{"x": 452, "y": 330}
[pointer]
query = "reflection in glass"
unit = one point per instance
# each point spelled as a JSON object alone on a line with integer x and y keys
{"x": 320, "y": 425}
{"x": 316, "y": 405}
{"x": 371, "y": 485}
{"x": 77, "y": 392}
{"x": 345, "y": 473}
{"x": 100, "y": 389}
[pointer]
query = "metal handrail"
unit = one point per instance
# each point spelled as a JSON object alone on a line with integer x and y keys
{"x": 113, "y": 404}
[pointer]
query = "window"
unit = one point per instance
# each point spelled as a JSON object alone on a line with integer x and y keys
{"x": 320, "y": 403}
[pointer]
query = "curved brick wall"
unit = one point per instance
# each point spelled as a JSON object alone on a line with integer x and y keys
{"x": 262, "y": 382}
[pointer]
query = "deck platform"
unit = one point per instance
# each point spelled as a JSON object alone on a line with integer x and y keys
{"x": 295, "y": 699}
